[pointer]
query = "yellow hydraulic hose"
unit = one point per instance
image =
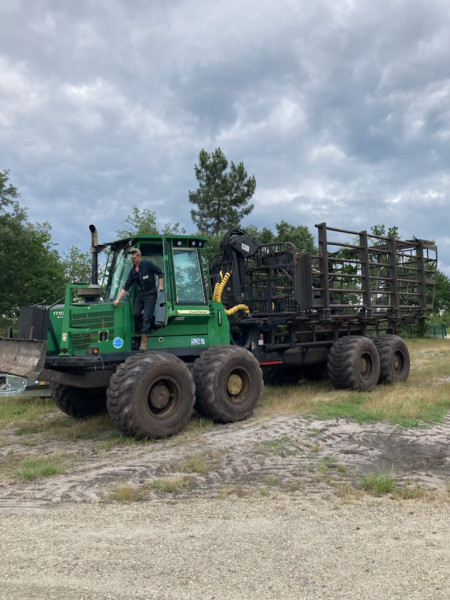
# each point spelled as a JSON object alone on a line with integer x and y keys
{"x": 219, "y": 287}
{"x": 231, "y": 311}
{"x": 217, "y": 296}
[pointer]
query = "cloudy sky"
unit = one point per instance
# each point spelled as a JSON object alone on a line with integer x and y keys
{"x": 339, "y": 108}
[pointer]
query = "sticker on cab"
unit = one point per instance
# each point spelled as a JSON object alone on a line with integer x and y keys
{"x": 198, "y": 341}
{"x": 118, "y": 343}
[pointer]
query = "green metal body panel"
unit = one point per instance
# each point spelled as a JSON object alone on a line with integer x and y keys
{"x": 193, "y": 327}
{"x": 191, "y": 319}
{"x": 80, "y": 327}
{"x": 54, "y": 336}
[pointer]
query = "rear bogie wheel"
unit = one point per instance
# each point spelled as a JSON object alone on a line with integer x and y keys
{"x": 151, "y": 395}
{"x": 353, "y": 363}
{"x": 79, "y": 402}
{"x": 228, "y": 382}
{"x": 394, "y": 356}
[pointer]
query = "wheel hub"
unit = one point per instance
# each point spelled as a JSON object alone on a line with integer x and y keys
{"x": 159, "y": 396}
{"x": 365, "y": 366}
{"x": 398, "y": 362}
{"x": 234, "y": 384}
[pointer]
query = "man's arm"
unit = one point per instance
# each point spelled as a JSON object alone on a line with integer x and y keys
{"x": 120, "y": 296}
{"x": 128, "y": 283}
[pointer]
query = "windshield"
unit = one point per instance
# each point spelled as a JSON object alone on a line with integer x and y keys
{"x": 118, "y": 274}
{"x": 189, "y": 286}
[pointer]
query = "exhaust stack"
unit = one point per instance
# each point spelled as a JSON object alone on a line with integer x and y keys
{"x": 94, "y": 250}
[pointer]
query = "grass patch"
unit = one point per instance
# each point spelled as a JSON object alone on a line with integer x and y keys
{"x": 60, "y": 426}
{"x": 383, "y": 483}
{"x": 169, "y": 485}
{"x": 378, "y": 484}
{"x": 196, "y": 426}
{"x": 401, "y": 404}
{"x": 18, "y": 410}
{"x": 416, "y": 492}
{"x": 199, "y": 462}
{"x": 280, "y": 447}
{"x": 34, "y": 467}
{"x": 326, "y": 463}
{"x": 126, "y": 493}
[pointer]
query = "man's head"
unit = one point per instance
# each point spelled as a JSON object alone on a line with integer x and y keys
{"x": 134, "y": 254}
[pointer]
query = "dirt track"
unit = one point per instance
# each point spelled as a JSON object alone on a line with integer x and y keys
{"x": 260, "y": 509}
{"x": 243, "y": 457}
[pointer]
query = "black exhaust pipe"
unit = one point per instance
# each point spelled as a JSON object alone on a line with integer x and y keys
{"x": 94, "y": 250}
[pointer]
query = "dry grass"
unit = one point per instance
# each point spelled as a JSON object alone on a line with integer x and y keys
{"x": 125, "y": 493}
{"x": 170, "y": 485}
{"x": 424, "y": 397}
{"x": 199, "y": 462}
{"x": 17, "y": 410}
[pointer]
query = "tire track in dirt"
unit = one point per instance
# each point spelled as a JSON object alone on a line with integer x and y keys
{"x": 286, "y": 451}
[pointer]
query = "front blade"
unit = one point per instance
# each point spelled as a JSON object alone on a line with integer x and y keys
{"x": 24, "y": 358}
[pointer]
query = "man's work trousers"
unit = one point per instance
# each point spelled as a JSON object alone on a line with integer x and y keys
{"x": 144, "y": 307}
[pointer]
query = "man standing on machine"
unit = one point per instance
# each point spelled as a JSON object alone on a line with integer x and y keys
{"x": 143, "y": 276}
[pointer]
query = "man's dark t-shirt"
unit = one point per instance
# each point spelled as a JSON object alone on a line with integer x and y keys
{"x": 144, "y": 278}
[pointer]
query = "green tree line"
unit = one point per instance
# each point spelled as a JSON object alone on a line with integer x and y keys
{"x": 32, "y": 271}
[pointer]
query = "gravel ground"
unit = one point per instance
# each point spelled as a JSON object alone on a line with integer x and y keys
{"x": 276, "y": 515}
{"x": 307, "y": 545}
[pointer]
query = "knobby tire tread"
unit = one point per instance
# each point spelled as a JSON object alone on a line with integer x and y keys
{"x": 79, "y": 403}
{"x": 121, "y": 395}
{"x": 387, "y": 346}
{"x": 209, "y": 370}
{"x": 341, "y": 366}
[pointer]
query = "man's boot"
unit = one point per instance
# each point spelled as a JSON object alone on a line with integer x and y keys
{"x": 144, "y": 339}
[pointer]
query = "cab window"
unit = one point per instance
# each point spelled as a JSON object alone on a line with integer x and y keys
{"x": 189, "y": 284}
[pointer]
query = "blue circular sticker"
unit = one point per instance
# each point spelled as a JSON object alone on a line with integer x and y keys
{"x": 118, "y": 342}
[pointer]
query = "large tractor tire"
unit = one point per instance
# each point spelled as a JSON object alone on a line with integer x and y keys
{"x": 229, "y": 383}
{"x": 394, "y": 356}
{"x": 151, "y": 395}
{"x": 79, "y": 402}
{"x": 353, "y": 363}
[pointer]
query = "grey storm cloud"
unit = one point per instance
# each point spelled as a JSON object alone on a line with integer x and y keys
{"x": 340, "y": 109}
